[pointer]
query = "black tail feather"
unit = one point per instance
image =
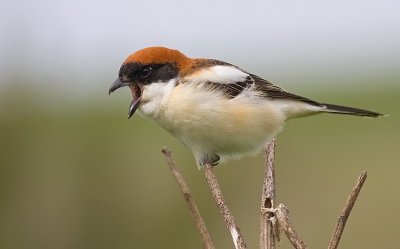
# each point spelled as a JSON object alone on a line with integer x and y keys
{"x": 351, "y": 111}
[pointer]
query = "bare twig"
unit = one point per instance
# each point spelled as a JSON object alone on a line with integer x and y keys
{"x": 223, "y": 208}
{"x": 269, "y": 230}
{"x": 272, "y": 218}
{"x": 191, "y": 204}
{"x": 344, "y": 215}
{"x": 283, "y": 218}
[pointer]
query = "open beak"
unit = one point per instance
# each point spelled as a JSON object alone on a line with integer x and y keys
{"x": 117, "y": 84}
{"x": 136, "y": 94}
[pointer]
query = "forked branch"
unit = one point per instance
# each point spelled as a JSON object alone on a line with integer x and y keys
{"x": 273, "y": 219}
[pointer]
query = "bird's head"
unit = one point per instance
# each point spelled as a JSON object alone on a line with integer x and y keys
{"x": 149, "y": 66}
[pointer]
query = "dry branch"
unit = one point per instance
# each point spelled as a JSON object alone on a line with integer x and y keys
{"x": 269, "y": 231}
{"x": 223, "y": 208}
{"x": 272, "y": 218}
{"x": 344, "y": 215}
{"x": 191, "y": 204}
{"x": 284, "y": 222}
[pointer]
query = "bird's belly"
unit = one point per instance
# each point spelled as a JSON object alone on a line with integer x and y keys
{"x": 227, "y": 127}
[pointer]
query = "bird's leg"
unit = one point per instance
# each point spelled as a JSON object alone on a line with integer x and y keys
{"x": 211, "y": 158}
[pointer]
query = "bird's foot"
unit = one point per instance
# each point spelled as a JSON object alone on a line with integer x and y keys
{"x": 212, "y": 159}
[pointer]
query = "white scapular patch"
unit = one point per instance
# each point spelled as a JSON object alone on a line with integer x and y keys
{"x": 223, "y": 74}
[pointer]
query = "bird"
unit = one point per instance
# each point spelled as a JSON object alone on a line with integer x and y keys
{"x": 218, "y": 110}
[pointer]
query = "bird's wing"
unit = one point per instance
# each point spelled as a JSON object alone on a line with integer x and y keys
{"x": 232, "y": 81}
{"x": 275, "y": 92}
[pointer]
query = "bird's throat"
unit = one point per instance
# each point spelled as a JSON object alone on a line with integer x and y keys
{"x": 136, "y": 96}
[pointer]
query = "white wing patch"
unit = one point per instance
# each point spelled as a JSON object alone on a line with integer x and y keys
{"x": 222, "y": 74}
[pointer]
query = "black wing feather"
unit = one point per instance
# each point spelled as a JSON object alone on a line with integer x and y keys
{"x": 275, "y": 92}
{"x": 267, "y": 89}
{"x": 230, "y": 90}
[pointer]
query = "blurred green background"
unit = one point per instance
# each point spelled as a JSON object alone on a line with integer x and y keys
{"x": 75, "y": 173}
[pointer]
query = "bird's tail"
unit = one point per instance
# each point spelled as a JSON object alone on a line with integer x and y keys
{"x": 338, "y": 109}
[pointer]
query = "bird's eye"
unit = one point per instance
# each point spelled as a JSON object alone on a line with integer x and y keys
{"x": 146, "y": 72}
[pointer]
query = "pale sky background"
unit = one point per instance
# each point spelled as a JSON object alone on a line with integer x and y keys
{"x": 71, "y": 44}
